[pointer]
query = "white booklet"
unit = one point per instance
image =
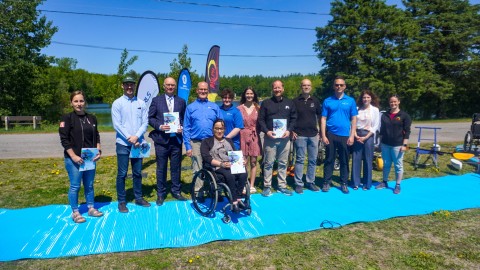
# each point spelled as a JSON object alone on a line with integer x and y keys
{"x": 171, "y": 119}
{"x": 143, "y": 151}
{"x": 236, "y": 161}
{"x": 279, "y": 127}
{"x": 88, "y": 154}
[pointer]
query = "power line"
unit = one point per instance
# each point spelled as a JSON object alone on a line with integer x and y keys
{"x": 174, "y": 20}
{"x": 245, "y": 8}
{"x": 176, "y": 53}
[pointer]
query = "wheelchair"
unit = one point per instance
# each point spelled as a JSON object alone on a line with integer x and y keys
{"x": 473, "y": 135}
{"x": 208, "y": 189}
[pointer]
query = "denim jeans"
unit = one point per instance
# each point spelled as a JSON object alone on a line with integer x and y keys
{"x": 391, "y": 154}
{"x": 76, "y": 177}
{"x": 310, "y": 146}
{"x": 123, "y": 156}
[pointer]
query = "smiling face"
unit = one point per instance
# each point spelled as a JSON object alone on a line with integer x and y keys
{"x": 78, "y": 104}
{"x": 277, "y": 89}
{"x": 249, "y": 95}
{"x": 128, "y": 89}
{"x": 218, "y": 130}
{"x": 202, "y": 90}
{"x": 169, "y": 86}
{"x": 227, "y": 100}
{"x": 394, "y": 103}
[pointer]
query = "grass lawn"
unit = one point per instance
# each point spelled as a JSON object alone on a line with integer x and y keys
{"x": 441, "y": 240}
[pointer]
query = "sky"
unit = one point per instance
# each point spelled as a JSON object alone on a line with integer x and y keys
{"x": 156, "y": 30}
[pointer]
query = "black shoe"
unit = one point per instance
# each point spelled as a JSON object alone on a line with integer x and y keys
{"x": 179, "y": 197}
{"x": 313, "y": 187}
{"x": 345, "y": 189}
{"x": 325, "y": 187}
{"x": 397, "y": 189}
{"x": 299, "y": 189}
{"x": 143, "y": 203}
{"x": 122, "y": 207}
{"x": 160, "y": 200}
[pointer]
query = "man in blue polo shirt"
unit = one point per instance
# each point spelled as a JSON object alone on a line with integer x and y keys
{"x": 339, "y": 117}
{"x": 198, "y": 124}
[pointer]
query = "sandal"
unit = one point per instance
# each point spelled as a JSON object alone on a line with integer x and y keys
{"x": 94, "y": 212}
{"x": 77, "y": 218}
{"x": 253, "y": 190}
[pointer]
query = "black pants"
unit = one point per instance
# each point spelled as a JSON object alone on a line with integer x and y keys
{"x": 163, "y": 152}
{"x": 337, "y": 144}
{"x": 235, "y": 182}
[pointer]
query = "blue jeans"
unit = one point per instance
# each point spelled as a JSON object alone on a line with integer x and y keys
{"x": 76, "y": 177}
{"x": 362, "y": 157}
{"x": 310, "y": 146}
{"x": 392, "y": 154}
{"x": 123, "y": 156}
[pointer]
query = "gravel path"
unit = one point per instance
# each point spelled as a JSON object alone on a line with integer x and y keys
{"x": 48, "y": 144}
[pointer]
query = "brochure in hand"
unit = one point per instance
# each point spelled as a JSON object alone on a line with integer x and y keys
{"x": 279, "y": 127}
{"x": 143, "y": 151}
{"x": 88, "y": 154}
{"x": 236, "y": 161}
{"x": 172, "y": 120}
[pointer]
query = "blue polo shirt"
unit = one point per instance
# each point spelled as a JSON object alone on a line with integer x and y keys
{"x": 233, "y": 119}
{"x": 198, "y": 121}
{"x": 339, "y": 112}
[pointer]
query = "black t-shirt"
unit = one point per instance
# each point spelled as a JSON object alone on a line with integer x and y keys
{"x": 308, "y": 112}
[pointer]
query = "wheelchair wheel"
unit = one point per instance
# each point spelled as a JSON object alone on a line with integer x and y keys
{"x": 467, "y": 143}
{"x": 204, "y": 192}
{"x": 416, "y": 161}
{"x": 246, "y": 200}
{"x": 226, "y": 219}
{"x": 321, "y": 153}
{"x": 336, "y": 164}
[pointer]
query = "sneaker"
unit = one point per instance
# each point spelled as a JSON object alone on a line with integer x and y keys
{"x": 382, "y": 185}
{"x": 345, "y": 189}
{"x": 142, "y": 202}
{"x": 313, "y": 187}
{"x": 397, "y": 189}
{"x": 122, "y": 207}
{"x": 325, "y": 187}
{"x": 253, "y": 190}
{"x": 299, "y": 189}
{"x": 285, "y": 191}
{"x": 266, "y": 192}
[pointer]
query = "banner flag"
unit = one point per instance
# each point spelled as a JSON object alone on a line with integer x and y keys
{"x": 212, "y": 73}
{"x": 184, "y": 83}
{"x": 147, "y": 87}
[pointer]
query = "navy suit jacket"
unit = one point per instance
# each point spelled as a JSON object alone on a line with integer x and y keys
{"x": 155, "y": 118}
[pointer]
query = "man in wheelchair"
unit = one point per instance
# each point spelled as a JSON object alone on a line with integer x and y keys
{"x": 214, "y": 151}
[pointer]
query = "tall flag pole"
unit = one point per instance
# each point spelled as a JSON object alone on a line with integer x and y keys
{"x": 212, "y": 73}
{"x": 184, "y": 83}
{"x": 147, "y": 87}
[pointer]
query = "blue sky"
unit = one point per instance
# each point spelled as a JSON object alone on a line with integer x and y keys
{"x": 170, "y": 36}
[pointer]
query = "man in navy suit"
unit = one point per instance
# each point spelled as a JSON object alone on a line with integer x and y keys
{"x": 168, "y": 143}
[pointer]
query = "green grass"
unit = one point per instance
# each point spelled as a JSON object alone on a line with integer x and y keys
{"x": 441, "y": 240}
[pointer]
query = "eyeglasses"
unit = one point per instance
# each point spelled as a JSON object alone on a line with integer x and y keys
{"x": 170, "y": 84}
{"x": 339, "y": 85}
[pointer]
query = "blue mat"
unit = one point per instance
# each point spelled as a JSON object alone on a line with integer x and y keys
{"x": 49, "y": 232}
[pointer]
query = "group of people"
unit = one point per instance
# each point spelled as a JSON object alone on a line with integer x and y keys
{"x": 209, "y": 131}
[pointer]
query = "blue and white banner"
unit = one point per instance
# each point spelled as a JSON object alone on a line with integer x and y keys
{"x": 184, "y": 83}
{"x": 147, "y": 87}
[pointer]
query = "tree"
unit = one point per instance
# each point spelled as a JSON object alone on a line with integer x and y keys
{"x": 450, "y": 37}
{"x": 372, "y": 45}
{"x": 23, "y": 33}
{"x": 183, "y": 62}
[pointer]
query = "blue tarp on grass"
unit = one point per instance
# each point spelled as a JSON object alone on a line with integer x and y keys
{"x": 49, "y": 232}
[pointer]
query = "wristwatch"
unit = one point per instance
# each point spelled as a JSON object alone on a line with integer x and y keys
{"x": 405, "y": 145}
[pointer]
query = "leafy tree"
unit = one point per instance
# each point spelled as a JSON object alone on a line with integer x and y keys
{"x": 23, "y": 33}
{"x": 450, "y": 37}
{"x": 372, "y": 45}
{"x": 182, "y": 62}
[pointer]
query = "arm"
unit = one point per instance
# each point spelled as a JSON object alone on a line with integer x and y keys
{"x": 152, "y": 115}
{"x": 353, "y": 125}
{"x": 97, "y": 134}
{"x": 117, "y": 120}
{"x": 292, "y": 121}
{"x": 186, "y": 132}
{"x": 323, "y": 130}
{"x": 64, "y": 132}
{"x": 407, "y": 122}
{"x": 144, "y": 125}
{"x": 238, "y": 122}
